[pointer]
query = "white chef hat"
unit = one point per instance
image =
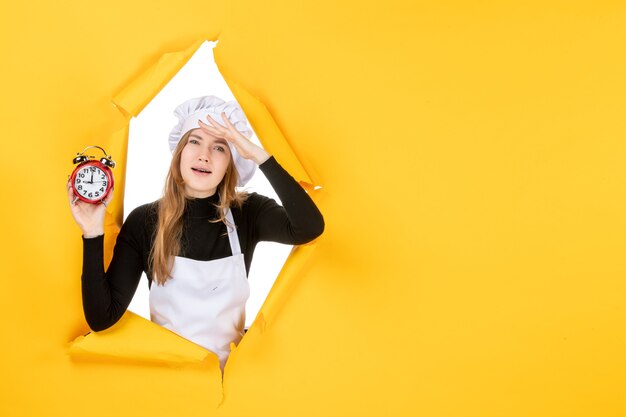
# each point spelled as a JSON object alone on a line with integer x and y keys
{"x": 199, "y": 108}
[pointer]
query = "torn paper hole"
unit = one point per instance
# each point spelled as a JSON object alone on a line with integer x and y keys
{"x": 134, "y": 99}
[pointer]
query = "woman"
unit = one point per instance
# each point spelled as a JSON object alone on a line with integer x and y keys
{"x": 195, "y": 243}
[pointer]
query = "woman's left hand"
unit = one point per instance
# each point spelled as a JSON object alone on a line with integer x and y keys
{"x": 244, "y": 146}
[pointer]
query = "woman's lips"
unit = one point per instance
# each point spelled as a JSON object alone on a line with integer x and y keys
{"x": 201, "y": 171}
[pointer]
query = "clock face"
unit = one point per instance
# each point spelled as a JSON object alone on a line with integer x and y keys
{"x": 91, "y": 182}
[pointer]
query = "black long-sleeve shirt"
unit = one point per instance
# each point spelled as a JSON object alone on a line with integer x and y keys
{"x": 106, "y": 295}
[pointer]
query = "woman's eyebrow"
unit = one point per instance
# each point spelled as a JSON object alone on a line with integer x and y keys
{"x": 216, "y": 140}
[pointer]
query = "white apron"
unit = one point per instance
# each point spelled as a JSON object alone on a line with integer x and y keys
{"x": 204, "y": 301}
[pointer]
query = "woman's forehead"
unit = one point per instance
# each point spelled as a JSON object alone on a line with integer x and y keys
{"x": 202, "y": 134}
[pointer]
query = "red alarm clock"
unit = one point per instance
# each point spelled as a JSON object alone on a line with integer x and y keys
{"x": 92, "y": 180}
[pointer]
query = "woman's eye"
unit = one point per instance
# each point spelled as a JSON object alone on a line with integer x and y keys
{"x": 194, "y": 141}
{"x": 220, "y": 149}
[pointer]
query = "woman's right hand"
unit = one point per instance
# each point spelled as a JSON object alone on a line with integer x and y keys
{"x": 89, "y": 217}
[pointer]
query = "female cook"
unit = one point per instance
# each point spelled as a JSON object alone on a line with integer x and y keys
{"x": 196, "y": 243}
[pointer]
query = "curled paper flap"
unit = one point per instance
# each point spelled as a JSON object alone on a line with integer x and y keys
{"x": 135, "y": 96}
{"x": 136, "y": 339}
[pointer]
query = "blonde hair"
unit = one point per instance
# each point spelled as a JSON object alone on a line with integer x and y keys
{"x": 171, "y": 208}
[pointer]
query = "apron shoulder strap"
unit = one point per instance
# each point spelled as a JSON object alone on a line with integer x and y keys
{"x": 232, "y": 233}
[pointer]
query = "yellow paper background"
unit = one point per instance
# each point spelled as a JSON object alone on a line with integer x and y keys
{"x": 471, "y": 156}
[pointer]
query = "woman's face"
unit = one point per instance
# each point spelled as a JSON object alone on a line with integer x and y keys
{"x": 203, "y": 163}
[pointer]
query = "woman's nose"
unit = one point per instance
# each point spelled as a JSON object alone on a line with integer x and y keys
{"x": 204, "y": 155}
